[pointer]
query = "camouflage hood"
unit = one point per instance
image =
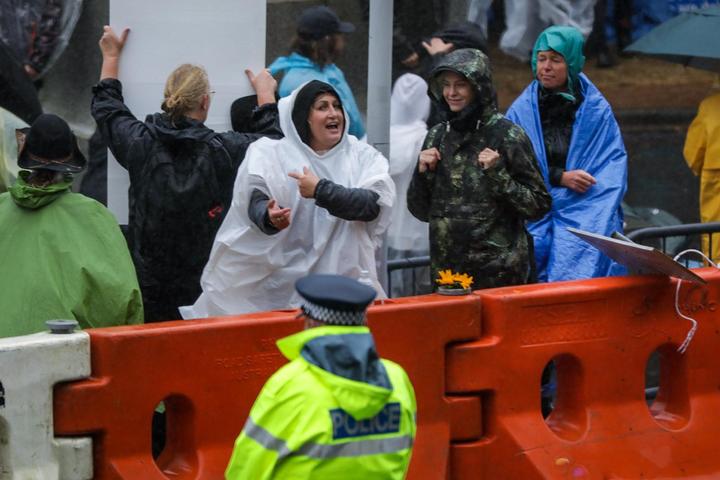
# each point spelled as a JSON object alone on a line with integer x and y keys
{"x": 475, "y": 66}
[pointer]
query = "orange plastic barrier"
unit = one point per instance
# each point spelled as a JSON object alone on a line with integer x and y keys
{"x": 209, "y": 372}
{"x": 478, "y": 391}
{"x": 600, "y": 333}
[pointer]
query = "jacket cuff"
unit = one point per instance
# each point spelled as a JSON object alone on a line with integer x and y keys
{"x": 498, "y": 175}
{"x": 319, "y": 188}
{"x": 108, "y": 84}
{"x": 556, "y": 174}
{"x": 265, "y": 107}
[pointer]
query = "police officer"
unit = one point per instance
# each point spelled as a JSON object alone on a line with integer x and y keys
{"x": 336, "y": 410}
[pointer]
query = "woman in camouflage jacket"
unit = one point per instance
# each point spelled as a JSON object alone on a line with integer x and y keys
{"x": 477, "y": 180}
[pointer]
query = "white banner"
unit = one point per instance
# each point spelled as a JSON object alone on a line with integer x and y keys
{"x": 224, "y": 36}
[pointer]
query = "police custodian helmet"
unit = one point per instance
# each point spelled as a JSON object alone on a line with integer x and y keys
{"x": 334, "y": 299}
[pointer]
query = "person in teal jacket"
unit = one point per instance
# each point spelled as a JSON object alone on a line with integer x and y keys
{"x": 336, "y": 410}
{"x": 319, "y": 41}
{"x": 63, "y": 255}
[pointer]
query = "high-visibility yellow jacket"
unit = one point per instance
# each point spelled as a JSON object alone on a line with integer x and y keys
{"x": 702, "y": 153}
{"x": 335, "y": 411}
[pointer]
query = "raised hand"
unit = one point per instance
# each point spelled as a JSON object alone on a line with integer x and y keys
{"x": 488, "y": 158}
{"x": 428, "y": 159}
{"x": 264, "y": 85}
{"x": 437, "y": 45}
{"x": 111, "y": 45}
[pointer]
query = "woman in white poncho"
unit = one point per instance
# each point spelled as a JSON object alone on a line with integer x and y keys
{"x": 316, "y": 201}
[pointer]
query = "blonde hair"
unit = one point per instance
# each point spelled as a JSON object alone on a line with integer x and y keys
{"x": 184, "y": 90}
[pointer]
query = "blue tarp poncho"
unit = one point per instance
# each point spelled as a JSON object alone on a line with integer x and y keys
{"x": 597, "y": 147}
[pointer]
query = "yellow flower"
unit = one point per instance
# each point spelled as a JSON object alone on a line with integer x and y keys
{"x": 446, "y": 277}
{"x": 464, "y": 279}
{"x": 454, "y": 280}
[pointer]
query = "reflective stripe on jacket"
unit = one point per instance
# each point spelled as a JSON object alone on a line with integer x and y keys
{"x": 335, "y": 411}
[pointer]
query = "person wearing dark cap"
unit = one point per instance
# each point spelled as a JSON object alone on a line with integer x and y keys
{"x": 316, "y": 201}
{"x": 319, "y": 41}
{"x": 62, "y": 254}
{"x": 336, "y": 410}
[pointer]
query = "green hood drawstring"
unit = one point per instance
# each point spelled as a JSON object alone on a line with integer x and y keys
{"x": 568, "y": 42}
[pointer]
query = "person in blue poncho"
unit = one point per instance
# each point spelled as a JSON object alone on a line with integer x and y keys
{"x": 320, "y": 40}
{"x": 580, "y": 153}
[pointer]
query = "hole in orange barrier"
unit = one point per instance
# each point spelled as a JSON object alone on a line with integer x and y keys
{"x": 178, "y": 454}
{"x": 159, "y": 430}
{"x": 548, "y": 389}
{"x": 671, "y": 406}
{"x": 566, "y": 415}
{"x": 652, "y": 377}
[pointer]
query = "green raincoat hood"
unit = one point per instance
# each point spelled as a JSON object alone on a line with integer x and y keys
{"x": 28, "y": 196}
{"x": 475, "y": 66}
{"x": 568, "y": 42}
{"x": 359, "y": 398}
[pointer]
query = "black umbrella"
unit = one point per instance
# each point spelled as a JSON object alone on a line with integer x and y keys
{"x": 17, "y": 92}
{"x": 691, "y": 39}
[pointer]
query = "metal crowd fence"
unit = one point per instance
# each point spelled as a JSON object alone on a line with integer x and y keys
{"x": 403, "y": 264}
{"x": 670, "y": 240}
{"x": 685, "y": 236}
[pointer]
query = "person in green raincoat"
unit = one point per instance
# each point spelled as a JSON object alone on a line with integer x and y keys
{"x": 337, "y": 410}
{"x": 63, "y": 255}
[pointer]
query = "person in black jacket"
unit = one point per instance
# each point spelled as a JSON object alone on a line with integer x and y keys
{"x": 181, "y": 174}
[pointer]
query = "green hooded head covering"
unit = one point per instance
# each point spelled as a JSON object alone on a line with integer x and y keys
{"x": 568, "y": 42}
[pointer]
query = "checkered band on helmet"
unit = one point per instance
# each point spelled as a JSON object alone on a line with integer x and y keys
{"x": 332, "y": 317}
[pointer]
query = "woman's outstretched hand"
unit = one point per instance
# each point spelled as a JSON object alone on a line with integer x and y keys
{"x": 577, "y": 180}
{"x": 264, "y": 85}
{"x": 111, "y": 47}
{"x": 110, "y": 44}
{"x": 307, "y": 182}
{"x": 279, "y": 217}
{"x": 437, "y": 46}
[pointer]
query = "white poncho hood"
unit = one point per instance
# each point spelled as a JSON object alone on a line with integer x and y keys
{"x": 249, "y": 270}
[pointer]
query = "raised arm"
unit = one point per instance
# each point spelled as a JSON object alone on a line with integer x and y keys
{"x": 111, "y": 47}
{"x": 118, "y": 126}
{"x": 420, "y": 191}
{"x": 352, "y": 204}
